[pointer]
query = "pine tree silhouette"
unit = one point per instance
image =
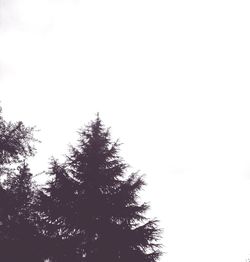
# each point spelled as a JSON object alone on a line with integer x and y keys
{"x": 21, "y": 228}
{"x": 94, "y": 204}
{"x": 56, "y": 210}
{"x": 16, "y": 229}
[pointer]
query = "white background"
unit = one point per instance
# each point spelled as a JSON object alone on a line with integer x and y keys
{"x": 170, "y": 77}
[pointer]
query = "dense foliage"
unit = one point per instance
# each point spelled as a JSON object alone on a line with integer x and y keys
{"x": 88, "y": 211}
{"x": 18, "y": 216}
{"x": 93, "y": 204}
{"x": 16, "y": 141}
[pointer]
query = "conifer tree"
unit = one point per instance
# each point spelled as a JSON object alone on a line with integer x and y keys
{"x": 100, "y": 208}
{"x": 21, "y": 191}
{"x": 21, "y": 228}
{"x": 16, "y": 144}
{"x": 56, "y": 210}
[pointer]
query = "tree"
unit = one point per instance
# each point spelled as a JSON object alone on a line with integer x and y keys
{"x": 100, "y": 207}
{"x": 21, "y": 228}
{"x": 16, "y": 142}
{"x": 55, "y": 208}
{"x": 21, "y": 191}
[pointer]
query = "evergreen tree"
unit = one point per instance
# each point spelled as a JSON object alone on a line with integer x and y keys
{"x": 16, "y": 229}
{"x": 55, "y": 208}
{"x": 21, "y": 191}
{"x": 100, "y": 208}
{"x": 21, "y": 228}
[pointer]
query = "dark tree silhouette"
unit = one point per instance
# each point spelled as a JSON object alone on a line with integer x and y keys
{"x": 17, "y": 230}
{"x": 94, "y": 204}
{"x": 21, "y": 192}
{"x": 16, "y": 142}
{"x": 21, "y": 226}
{"x": 55, "y": 208}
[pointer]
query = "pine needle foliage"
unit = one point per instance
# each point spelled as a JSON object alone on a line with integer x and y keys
{"x": 93, "y": 203}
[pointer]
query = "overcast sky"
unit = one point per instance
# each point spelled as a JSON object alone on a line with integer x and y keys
{"x": 172, "y": 80}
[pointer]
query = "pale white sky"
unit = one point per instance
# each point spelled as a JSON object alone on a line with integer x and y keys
{"x": 172, "y": 80}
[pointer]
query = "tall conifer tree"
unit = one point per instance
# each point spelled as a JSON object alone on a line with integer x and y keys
{"x": 57, "y": 210}
{"x": 21, "y": 191}
{"x": 16, "y": 144}
{"x": 21, "y": 227}
{"x": 100, "y": 207}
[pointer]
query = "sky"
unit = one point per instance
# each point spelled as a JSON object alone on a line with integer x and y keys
{"x": 171, "y": 79}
